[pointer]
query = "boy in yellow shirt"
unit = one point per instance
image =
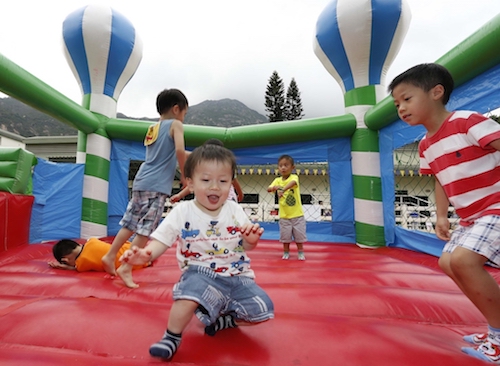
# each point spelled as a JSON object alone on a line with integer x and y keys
{"x": 292, "y": 221}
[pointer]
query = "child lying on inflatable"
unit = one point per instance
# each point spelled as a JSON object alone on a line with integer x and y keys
{"x": 84, "y": 257}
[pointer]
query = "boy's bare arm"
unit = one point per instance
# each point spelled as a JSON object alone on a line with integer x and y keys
{"x": 442, "y": 203}
{"x": 177, "y": 132}
{"x": 177, "y": 197}
{"x": 237, "y": 188}
{"x": 495, "y": 144}
{"x": 57, "y": 265}
{"x": 290, "y": 185}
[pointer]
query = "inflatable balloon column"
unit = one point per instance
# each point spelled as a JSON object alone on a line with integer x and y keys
{"x": 357, "y": 40}
{"x": 103, "y": 51}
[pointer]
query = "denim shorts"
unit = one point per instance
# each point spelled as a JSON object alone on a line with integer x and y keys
{"x": 482, "y": 237}
{"x": 293, "y": 230}
{"x": 219, "y": 295}
{"x": 144, "y": 212}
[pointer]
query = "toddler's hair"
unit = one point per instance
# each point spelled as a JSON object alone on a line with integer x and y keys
{"x": 209, "y": 152}
{"x": 214, "y": 142}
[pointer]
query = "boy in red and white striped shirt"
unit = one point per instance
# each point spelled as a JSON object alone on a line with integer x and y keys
{"x": 462, "y": 150}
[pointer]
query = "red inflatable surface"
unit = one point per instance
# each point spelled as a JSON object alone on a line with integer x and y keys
{"x": 343, "y": 306}
{"x": 15, "y": 213}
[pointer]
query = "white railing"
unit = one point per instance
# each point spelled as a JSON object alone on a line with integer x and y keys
{"x": 421, "y": 218}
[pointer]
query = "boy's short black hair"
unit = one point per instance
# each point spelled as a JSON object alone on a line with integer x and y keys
{"x": 213, "y": 141}
{"x": 168, "y": 98}
{"x": 426, "y": 77}
{"x": 63, "y": 248}
{"x": 286, "y": 157}
{"x": 209, "y": 152}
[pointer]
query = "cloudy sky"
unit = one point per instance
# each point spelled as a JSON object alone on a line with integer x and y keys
{"x": 220, "y": 49}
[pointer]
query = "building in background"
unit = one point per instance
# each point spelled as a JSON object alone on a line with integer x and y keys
{"x": 9, "y": 139}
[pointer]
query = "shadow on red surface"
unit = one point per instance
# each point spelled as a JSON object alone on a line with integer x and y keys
{"x": 342, "y": 306}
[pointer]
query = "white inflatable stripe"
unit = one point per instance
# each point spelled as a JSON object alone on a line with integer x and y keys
{"x": 99, "y": 145}
{"x": 359, "y": 112}
{"x": 365, "y": 163}
{"x": 380, "y": 91}
{"x": 355, "y": 24}
{"x": 95, "y": 188}
{"x": 368, "y": 212}
{"x": 71, "y": 64}
{"x": 97, "y": 21}
{"x": 81, "y": 157}
{"x": 103, "y": 104}
{"x": 327, "y": 64}
{"x": 90, "y": 229}
{"x": 399, "y": 36}
{"x": 131, "y": 67}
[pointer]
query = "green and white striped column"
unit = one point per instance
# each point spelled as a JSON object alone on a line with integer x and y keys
{"x": 95, "y": 151}
{"x": 365, "y": 163}
{"x": 357, "y": 40}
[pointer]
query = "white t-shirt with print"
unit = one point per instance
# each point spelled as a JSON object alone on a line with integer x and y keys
{"x": 203, "y": 240}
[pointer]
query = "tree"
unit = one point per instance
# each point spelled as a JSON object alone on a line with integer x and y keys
{"x": 495, "y": 118}
{"x": 293, "y": 104}
{"x": 275, "y": 98}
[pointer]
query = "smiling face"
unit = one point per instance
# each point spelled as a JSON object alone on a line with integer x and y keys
{"x": 210, "y": 183}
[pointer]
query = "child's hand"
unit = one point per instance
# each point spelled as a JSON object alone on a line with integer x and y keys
{"x": 57, "y": 265}
{"x": 175, "y": 198}
{"x": 443, "y": 228}
{"x": 273, "y": 188}
{"x": 136, "y": 256}
{"x": 251, "y": 234}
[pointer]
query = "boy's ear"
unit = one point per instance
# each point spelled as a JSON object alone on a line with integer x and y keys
{"x": 437, "y": 92}
{"x": 189, "y": 183}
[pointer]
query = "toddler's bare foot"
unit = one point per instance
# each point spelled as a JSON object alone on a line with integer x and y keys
{"x": 108, "y": 264}
{"x": 125, "y": 273}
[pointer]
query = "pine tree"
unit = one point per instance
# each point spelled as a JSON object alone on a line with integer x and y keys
{"x": 275, "y": 98}
{"x": 293, "y": 104}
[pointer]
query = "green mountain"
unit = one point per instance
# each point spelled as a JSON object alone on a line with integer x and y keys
{"x": 18, "y": 118}
{"x": 223, "y": 113}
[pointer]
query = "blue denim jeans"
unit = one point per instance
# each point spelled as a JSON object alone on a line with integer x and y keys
{"x": 219, "y": 295}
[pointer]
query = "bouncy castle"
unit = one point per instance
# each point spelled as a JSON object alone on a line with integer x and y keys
{"x": 370, "y": 292}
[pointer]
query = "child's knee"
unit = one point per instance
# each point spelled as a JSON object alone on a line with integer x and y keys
{"x": 462, "y": 260}
{"x": 444, "y": 263}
